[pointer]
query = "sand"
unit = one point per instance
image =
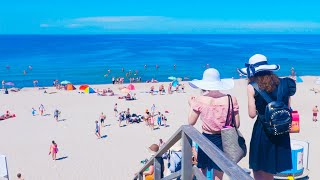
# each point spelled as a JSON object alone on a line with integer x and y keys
{"x": 25, "y": 140}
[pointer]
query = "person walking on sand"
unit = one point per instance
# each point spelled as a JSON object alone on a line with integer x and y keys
{"x": 3, "y": 83}
{"x": 152, "y": 122}
{"x": 159, "y": 119}
{"x": 56, "y": 114}
{"x": 115, "y": 109}
{"x": 97, "y": 130}
{"x": 53, "y": 150}
{"x": 269, "y": 153}
{"x": 102, "y": 118}
{"x": 33, "y": 111}
{"x": 153, "y": 109}
{"x": 41, "y": 109}
{"x": 315, "y": 113}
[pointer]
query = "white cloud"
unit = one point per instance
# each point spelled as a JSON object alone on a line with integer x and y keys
{"x": 162, "y": 24}
{"x": 108, "y": 19}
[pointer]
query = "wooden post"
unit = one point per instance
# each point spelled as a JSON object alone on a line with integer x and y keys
{"x": 157, "y": 168}
{"x": 186, "y": 168}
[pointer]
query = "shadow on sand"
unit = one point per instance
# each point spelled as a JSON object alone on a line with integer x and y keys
{"x": 62, "y": 158}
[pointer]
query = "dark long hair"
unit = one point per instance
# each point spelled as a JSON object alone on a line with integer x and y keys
{"x": 266, "y": 80}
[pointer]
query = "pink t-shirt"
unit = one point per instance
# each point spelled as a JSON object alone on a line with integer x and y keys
{"x": 213, "y": 116}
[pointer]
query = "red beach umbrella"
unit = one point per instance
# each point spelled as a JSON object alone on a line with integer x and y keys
{"x": 131, "y": 87}
{"x": 83, "y": 87}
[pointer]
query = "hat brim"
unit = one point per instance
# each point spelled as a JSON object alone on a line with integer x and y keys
{"x": 271, "y": 67}
{"x": 224, "y": 84}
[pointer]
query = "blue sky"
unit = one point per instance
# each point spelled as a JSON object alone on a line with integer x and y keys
{"x": 164, "y": 16}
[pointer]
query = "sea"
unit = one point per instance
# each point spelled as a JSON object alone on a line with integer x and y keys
{"x": 95, "y": 59}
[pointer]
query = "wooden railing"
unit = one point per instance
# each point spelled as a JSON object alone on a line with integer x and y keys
{"x": 189, "y": 134}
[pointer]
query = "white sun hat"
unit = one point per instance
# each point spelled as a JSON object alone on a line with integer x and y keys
{"x": 257, "y": 63}
{"x": 211, "y": 81}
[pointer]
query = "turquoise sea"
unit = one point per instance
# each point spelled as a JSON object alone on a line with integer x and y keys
{"x": 87, "y": 58}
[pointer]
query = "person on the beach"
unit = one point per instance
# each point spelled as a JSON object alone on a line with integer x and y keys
{"x": 113, "y": 80}
{"x": 212, "y": 108}
{"x": 56, "y": 114}
{"x": 97, "y": 130}
{"x": 33, "y": 111}
{"x": 153, "y": 109}
{"x": 115, "y": 109}
{"x": 159, "y": 119}
{"x": 182, "y": 87}
{"x": 128, "y": 115}
{"x": 151, "y": 122}
{"x": 269, "y": 154}
{"x": 102, "y": 118}
{"x": 164, "y": 120}
{"x": 315, "y": 113}
{"x": 41, "y": 109}
{"x": 152, "y": 90}
{"x": 19, "y": 176}
{"x": 149, "y": 174}
{"x": 35, "y": 83}
{"x": 170, "y": 89}
{"x": 3, "y": 83}
{"x": 147, "y": 117}
{"x": 53, "y": 150}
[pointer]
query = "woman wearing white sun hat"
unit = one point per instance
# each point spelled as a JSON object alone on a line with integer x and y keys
{"x": 212, "y": 108}
{"x": 269, "y": 154}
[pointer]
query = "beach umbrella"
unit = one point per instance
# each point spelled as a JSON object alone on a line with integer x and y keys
{"x": 9, "y": 84}
{"x": 172, "y": 78}
{"x": 89, "y": 90}
{"x": 175, "y": 83}
{"x": 69, "y": 87}
{"x": 125, "y": 90}
{"x": 83, "y": 87}
{"x": 65, "y": 82}
{"x": 131, "y": 87}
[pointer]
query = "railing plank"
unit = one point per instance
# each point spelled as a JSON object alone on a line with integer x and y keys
{"x": 186, "y": 163}
{"x": 172, "y": 176}
{"x": 157, "y": 168}
{"x": 217, "y": 156}
{"x": 199, "y": 175}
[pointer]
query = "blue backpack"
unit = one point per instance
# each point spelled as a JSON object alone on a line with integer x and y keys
{"x": 277, "y": 118}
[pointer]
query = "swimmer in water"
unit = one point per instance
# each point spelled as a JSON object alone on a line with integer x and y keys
{"x": 207, "y": 66}
{"x": 157, "y": 66}
{"x": 174, "y": 66}
{"x": 122, "y": 69}
{"x": 30, "y": 68}
{"x": 24, "y": 72}
{"x": 109, "y": 71}
{"x": 145, "y": 66}
{"x": 106, "y": 75}
{"x": 137, "y": 72}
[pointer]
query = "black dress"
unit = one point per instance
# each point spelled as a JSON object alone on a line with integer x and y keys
{"x": 268, "y": 153}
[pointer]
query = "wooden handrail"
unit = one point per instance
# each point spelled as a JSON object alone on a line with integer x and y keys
{"x": 188, "y": 134}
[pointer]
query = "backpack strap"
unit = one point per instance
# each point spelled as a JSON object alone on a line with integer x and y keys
{"x": 262, "y": 93}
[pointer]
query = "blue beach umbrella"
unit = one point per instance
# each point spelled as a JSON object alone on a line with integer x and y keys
{"x": 175, "y": 83}
{"x": 65, "y": 82}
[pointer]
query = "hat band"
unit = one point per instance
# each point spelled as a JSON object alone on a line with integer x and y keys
{"x": 251, "y": 67}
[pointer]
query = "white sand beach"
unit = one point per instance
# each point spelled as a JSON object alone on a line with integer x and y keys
{"x": 25, "y": 139}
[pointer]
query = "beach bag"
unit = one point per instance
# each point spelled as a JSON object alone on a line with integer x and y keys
{"x": 295, "y": 127}
{"x": 233, "y": 143}
{"x": 277, "y": 118}
{"x": 175, "y": 159}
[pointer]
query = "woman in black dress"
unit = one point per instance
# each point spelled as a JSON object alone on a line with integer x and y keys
{"x": 269, "y": 154}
